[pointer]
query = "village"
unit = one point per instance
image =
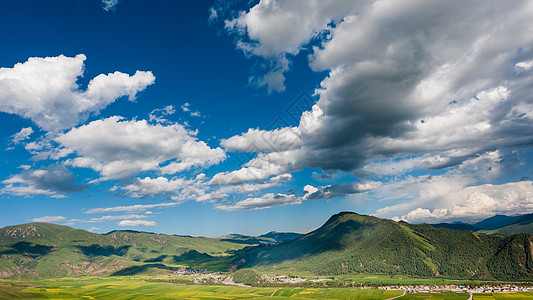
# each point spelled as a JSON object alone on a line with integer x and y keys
{"x": 503, "y": 288}
{"x": 197, "y": 277}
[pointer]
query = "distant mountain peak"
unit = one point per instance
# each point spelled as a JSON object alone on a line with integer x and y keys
{"x": 524, "y": 219}
{"x": 344, "y": 216}
{"x": 497, "y": 221}
{"x": 281, "y": 236}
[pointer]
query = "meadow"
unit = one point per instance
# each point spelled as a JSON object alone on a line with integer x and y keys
{"x": 387, "y": 280}
{"x": 138, "y": 288}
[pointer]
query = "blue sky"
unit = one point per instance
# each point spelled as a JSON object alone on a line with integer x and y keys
{"x": 210, "y": 117}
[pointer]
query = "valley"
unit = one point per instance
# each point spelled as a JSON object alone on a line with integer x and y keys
{"x": 349, "y": 254}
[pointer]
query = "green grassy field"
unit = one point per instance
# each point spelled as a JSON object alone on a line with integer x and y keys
{"x": 452, "y": 295}
{"x": 515, "y": 296}
{"x": 408, "y": 280}
{"x": 136, "y": 288}
{"x": 380, "y": 279}
{"x": 436, "y": 296}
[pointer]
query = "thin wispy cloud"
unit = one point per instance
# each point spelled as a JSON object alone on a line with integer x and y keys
{"x": 22, "y": 135}
{"x": 50, "y": 219}
{"x": 110, "y": 5}
{"x": 129, "y": 208}
{"x": 137, "y": 223}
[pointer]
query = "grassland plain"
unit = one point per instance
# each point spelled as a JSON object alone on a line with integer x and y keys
{"x": 377, "y": 280}
{"x": 382, "y": 280}
{"x": 137, "y": 288}
{"x": 495, "y": 296}
{"x": 436, "y": 296}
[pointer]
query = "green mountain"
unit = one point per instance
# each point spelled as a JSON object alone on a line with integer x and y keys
{"x": 352, "y": 243}
{"x": 42, "y": 250}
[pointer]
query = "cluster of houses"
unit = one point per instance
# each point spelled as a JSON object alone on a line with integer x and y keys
{"x": 504, "y": 288}
{"x": 199, "y": 277}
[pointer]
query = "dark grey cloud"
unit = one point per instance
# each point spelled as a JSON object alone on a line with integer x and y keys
{"x": 339, "y": 190}
{"x": 416, "y": 78}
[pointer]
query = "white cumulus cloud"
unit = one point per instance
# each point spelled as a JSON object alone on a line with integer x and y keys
{"x": 277, "y": 30}
{"x": 260, "y": 168}
{"x": 477, "y": 202}
{"x": 459, "y": 193}
{"x": 524, "y": 65}
{"x": 119, "y": 148}
{"x": 256, "y": 140}
{"x": 45, "y": 90}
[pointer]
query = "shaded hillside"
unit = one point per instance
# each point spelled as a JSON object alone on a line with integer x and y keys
{"x": 497, "y": 221}
{"x": 42, "y": 250}
{"x": 352, "y": 243}
{"x": 281, "y": 236}
{"x": 456, "y": 226}
{"x": 513, "y": 258}
{"x": 347, "y": 243}
{"x": 522, "y": 224}
{"x": 272, "y": 237}
{"x": 247, "y": 240}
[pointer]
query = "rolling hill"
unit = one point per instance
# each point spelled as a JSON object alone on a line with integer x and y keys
{"x": 42, "y": 250}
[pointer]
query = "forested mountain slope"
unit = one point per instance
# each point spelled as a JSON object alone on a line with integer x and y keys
{"x": 352, "y": 243}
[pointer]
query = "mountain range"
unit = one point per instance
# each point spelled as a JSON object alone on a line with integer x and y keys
{"x": 498, "y": 224}
{"x": 346, "y": 243}
{"x": 271, "y": 237}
